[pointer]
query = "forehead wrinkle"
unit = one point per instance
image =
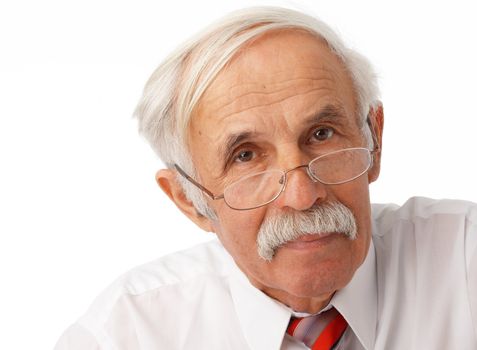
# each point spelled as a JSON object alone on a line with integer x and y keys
{"x": 328, "y": 76}
{"x": 278, "y": 91}
{"x": 234, "y": 112}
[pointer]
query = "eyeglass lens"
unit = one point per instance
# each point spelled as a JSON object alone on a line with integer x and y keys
{"x": 333, "y": 168}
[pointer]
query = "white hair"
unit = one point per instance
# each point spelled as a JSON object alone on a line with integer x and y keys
{"x": 176, "y": 86}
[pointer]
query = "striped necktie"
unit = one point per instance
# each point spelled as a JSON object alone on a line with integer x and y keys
{"x": 319, "y": 332}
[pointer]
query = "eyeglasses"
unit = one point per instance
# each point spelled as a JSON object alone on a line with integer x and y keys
{"x": 259, "y": 189}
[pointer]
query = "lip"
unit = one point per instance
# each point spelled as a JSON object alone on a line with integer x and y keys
{"x": 310, "y": 241}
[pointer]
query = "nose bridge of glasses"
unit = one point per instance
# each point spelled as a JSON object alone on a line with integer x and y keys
{"x": 298, "y": 192}
{"x": 308, "y": 172}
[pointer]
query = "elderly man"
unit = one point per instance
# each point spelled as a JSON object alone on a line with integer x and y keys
{"x": 271, "y": 130}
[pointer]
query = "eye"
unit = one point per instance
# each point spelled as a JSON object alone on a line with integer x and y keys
{"x": 244, "y": 156}
{"x": 323, "y": 134}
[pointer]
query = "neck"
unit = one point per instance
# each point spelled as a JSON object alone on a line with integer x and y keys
{"x": 311, "y": 305}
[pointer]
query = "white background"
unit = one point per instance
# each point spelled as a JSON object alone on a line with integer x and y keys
{"x": 78, "y": 201}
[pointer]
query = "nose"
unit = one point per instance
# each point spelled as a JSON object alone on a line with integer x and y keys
{"x": 301, "y": 191}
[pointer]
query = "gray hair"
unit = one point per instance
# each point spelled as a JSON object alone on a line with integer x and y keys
{"x": 175, "y": 87}
{"x": 275, "y": 231}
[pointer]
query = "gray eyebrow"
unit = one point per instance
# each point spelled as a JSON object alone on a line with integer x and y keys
{"x": 230, "y": 143}
{"x": 330, "y": 113}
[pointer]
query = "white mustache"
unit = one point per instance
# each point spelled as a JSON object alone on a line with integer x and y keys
{"x": 333, "y": 217}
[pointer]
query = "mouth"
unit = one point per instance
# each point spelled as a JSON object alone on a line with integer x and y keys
{"x": 311, "y": 240}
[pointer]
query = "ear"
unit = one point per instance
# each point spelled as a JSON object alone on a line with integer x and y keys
{"x": 167, "y": 181}
{"x": 376, "y": 121}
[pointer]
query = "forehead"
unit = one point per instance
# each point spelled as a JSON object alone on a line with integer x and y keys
{"x": 272, "y": 83}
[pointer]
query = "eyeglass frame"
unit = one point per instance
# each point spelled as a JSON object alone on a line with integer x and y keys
{"x": 285, "y": 172}
{"x": 214, "y": 197}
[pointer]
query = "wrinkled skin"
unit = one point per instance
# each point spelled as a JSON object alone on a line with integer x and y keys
{"x": 290, "y": 99}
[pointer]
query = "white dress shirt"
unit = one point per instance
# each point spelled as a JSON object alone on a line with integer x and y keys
{"x": 417, "y": 289}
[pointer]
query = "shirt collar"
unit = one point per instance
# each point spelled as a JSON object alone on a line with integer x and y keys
{"x": 357, "y": 302}
{"x": 263, "y": 320}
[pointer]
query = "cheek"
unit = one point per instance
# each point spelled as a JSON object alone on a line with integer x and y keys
{"x": 237, "y": 230}
{"x": 355, "y": 195}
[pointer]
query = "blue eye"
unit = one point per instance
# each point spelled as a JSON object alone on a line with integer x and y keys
{"x": 244, "y": 156}
{"x": 323, "y": 134}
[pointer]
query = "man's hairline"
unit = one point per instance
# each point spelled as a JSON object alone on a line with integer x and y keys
{"x": 361, "y": 119}
{"x": 358, "y": 101}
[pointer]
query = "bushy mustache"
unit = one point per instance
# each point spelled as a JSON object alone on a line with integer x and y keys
{"x": 332, "y": 217}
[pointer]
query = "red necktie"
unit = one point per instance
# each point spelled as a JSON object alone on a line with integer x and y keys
{"x": 319, "y": 332}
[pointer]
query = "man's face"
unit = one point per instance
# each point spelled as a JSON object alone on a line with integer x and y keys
{"x": 284, "y": 100}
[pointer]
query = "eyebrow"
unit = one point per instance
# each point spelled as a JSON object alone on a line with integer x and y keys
{"x": 231, "y": 142}
{"x": 330, "y": 113}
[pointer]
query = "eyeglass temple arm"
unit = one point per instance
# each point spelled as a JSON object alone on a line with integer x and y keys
{"x": 195, "y": 183}
{"x": 376, "y": 145}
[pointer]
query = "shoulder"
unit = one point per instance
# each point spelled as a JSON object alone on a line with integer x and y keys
{"x": 426, "y": 231}
{"x": 386, "y": 217}
{"x": 208, "y": 259}
{"x": 205, "y": 259}
{"x": 426, "y": 259}
{"x": 158, "y": 285}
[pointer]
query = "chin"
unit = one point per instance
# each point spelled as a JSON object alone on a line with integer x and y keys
{"x": 311, "y": 279}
